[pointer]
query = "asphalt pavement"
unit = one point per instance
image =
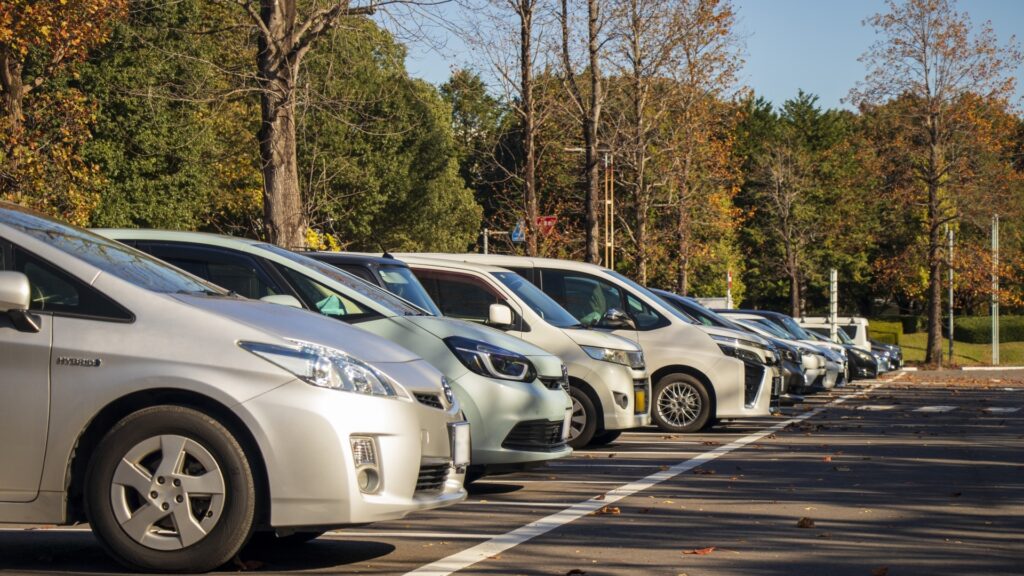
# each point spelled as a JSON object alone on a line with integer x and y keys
{"x": 919, "y": 475}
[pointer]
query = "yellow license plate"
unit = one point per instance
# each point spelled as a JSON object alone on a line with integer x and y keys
{"x": 640, "y": 401}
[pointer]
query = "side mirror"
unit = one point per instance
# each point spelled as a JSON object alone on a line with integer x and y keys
{"x": 282, "y": 299}
{"x": 15, "y": 293}
{"x": 499, "y": 316}
{"x": 15, "y": 297}
{"x": 615, "y": 318}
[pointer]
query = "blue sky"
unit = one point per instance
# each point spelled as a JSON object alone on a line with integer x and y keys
{"x": 790, "y": 44}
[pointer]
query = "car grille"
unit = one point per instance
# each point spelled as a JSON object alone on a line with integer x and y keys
{"x": 432, "y": 400}
{"x": 752, "y": 376}
{"x": 555, "y": 383}
{"x": 542, "y": 435}
{"x": 432, "y": 477}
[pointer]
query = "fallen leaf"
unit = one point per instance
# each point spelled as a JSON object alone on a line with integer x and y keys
{"x": 599, "y": 497}
{"x": 608, "y": 510}
{"x": 805, "y": 522}
{"x": 880, "y": 571}
{"x": 612, "y": 455}
{"x": 700, "y": 551}
{"x": 827, "y": 459}
{"x": 575, "y": 571}
{"x": 703, "y": 471}
{"x": 663, "y": 467}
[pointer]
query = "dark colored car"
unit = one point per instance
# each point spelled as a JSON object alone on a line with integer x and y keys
{"x": 793, "y": 378}
{"x": 862, "y": 364}
{"x": 892, "y": 353}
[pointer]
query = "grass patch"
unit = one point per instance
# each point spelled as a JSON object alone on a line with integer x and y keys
{"x": 965, "y": 354}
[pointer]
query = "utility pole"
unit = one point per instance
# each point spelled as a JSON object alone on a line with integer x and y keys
{"x": 995, "y": 289}
{"x": 609, "y": 210}
{"x": 949, "y": 238}
{"x": 833, "y": 304}
{"x": 728, "y": 289}
{"x": 486, "y": 236}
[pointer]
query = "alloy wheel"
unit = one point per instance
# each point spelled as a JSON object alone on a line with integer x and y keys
{"x": 679, "y": 404}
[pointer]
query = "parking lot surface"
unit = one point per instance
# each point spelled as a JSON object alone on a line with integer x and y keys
{"x": 909, "y": 476}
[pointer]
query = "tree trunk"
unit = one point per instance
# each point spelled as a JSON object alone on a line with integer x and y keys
{"x": 590, "y": 138}
{"x": 529, "y": 124}
{"x": 13, "y": 94}
{"x": 682, "y": 240}
{"x": 641, "y": 241}
{"x": 933, "y": 353}
{"x": 282, "y": 200}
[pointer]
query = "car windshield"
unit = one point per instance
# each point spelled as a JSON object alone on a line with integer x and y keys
{"x": 349, "y": 282}
{"x": 768, "y": 327}
{"x": 108, "y": 255}
{"x": 400, "y": 281}
{"x": 652, "y": 297}
{"x": 795, "y": 329}
{"x": 708, "y": 316}
{"x": 843, "y": 337}
{"x": 537, "y": 300}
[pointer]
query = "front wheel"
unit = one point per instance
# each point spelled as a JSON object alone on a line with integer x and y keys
{"x": 583, "y": 424}
{"x": 170, "y": 489}
{"x": 681, "y": 404}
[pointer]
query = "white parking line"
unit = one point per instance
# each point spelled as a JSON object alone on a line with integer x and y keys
{"x": 652, "y": 441}
{"x": 499, "y": 544}
{"x": 627, "y": 453}
{"x": 1002, "y": 410}
{"x": 548, "y": 481}
{"x": 585, "y": 464}
{"x": 520, "y": 504}
{"x": 876, "y": 407}
{"x": 426, "y": 535}
{"x": 936, "y": 409}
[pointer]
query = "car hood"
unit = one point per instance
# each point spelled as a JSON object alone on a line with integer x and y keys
{"x": 599, "y": 339}
{"x": 294, "y": 323}
{"x": 445, "y": 327}
{"x": 730, "y": 333}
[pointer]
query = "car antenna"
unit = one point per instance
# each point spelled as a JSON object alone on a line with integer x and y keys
{"x": 385, "y": 253}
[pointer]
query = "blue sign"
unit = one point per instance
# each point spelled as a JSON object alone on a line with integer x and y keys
{"x": 519, "y": 232}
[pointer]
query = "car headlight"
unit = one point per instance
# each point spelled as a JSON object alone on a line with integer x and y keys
{"x": 632, "y": 358}
{"x": 491, "y": 361}
{"x": 327, "y": 368}
{"x": 730, "y": 347}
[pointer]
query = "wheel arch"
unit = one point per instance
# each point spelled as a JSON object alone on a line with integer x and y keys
{"x": 113, "y": 412}
{"x": 587, "y": 389}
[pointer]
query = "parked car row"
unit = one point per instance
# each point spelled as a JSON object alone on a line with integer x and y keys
{"x": 183, "y": 392}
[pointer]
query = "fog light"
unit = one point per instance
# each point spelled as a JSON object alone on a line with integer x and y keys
{"x": 621, "y": 399}
{"x": 368, "y": 480}
{"x": 364, "y": 456}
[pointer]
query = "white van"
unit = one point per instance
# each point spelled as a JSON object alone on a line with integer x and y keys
{"x": 696, "y": 378}
{"x": 856, "y": 328}
{"x": 607, "y": 378}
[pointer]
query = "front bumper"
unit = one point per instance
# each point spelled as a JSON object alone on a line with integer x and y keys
{"x": 624, "y": 393}
{"x": 528, "y": 411}
{"x": 304, "y": 433}
{"x": 747, "y": 394}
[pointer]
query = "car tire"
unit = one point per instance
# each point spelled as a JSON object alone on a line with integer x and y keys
{"x": 583, "y": 425}
{"x": 604, "y": 438}
{"x": 164, "y": 468}
{"x": 681, "y": 404}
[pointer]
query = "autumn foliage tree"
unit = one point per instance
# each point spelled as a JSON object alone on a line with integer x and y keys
{"x": 44, "y": 118}
{"x": 931, "y": 59}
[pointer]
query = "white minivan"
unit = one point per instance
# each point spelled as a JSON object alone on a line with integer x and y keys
{"x": 607, "y": 378}
{"x": 696, "y": 378}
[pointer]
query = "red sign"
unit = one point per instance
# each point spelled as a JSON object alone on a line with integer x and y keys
{"x": 546, "y": 224}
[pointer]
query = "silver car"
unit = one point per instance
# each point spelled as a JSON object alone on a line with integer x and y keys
{"x": 511, "y": 392}
{"x": 177, "y": 419}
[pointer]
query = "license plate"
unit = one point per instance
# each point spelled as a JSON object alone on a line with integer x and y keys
{"x": 566, "y": 424}
{"x": 640, "y": 401}
{"x": 458, "y": 433}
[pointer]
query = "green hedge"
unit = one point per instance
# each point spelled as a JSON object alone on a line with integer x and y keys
{"x": 888, "y": 332}
{"x": 978, "y": 329}
{"x": 912, "y": 323}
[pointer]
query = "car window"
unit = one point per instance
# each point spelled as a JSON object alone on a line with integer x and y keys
{"x": 585, "y": 297}
{"x": 459, "y": 295}
{"x": 645, "y": 317}
{"x": 108, "y": 255}
{"x": 356, "y": 270}
{"x": 851, "y": 331}
{"x": 325, "y": 300}
{"x": 239, "y": 274}
{"x": 53, "y": 290}
{"x": 538, "y": 301}
{"x": 401, "y": 281}
{"x": 359, "y": 286}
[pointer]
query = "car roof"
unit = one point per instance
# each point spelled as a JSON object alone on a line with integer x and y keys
{"x": 508, "y": 261}
{"x": 456, "y": 264}
{"x": 353, "y": 258}
{"x": 176, "y": 235}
